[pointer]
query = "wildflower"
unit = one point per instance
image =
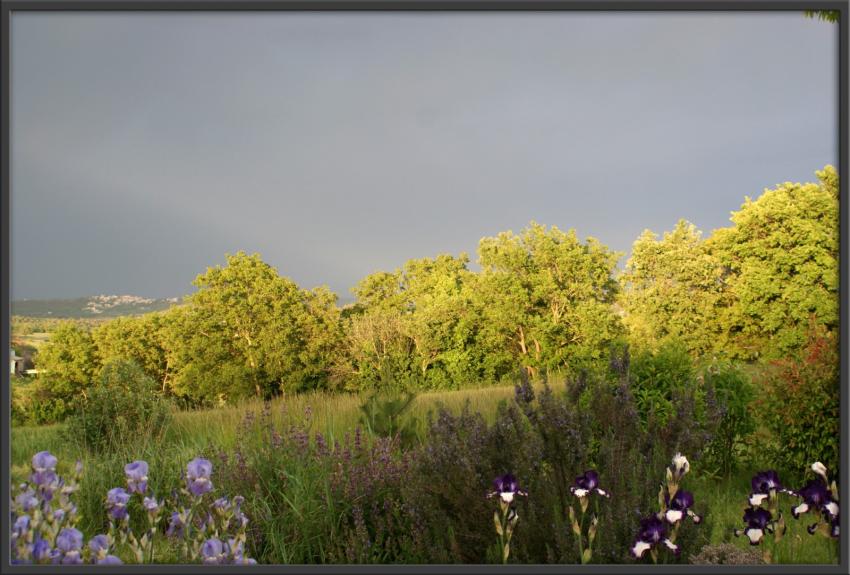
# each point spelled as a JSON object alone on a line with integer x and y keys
{"x": 41, "y": 550}
{"x": 116, "y": 503}
{"x": 176, "y": 525}
{"x": 27, "y": 500}
{"x": 44, "y": 468}
{"x": 22, "y": 526}
{"x": 110, "y": 560}
{"x": 137, "y": 476}
{"x": 70, "y": 543}
{"x": 151, "y": 505}
{"x": 679, "y": 466}
{"x": 212, "y": 551}
{"x": 198, "y": 473}
{"x": 765, "y": 485}
{"x": 680, "y": 506}
{"x": 221, "y": 505}
{"x": 652, "y": 532}
{"x": 586, "y": 483}
{"x": 816, "y": 497}
{"x": 99, "y": 547}
{"x": 506, "y": 487}
{"x": 758, "y": 522}
{"x": 820, "y": 469}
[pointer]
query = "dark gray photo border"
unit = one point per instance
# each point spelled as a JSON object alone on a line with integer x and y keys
{"x": 416, "y": 5}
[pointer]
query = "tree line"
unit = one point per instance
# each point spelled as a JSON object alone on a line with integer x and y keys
{"x": 543, "y": 300}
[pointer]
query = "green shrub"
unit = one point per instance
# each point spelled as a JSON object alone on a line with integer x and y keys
{"x": 656, "y": 376}
{"x": 800, "y": 404}
{"x": 734, "y": 394}
{"x": 124, "y": 406}
{"x": 387, "y": 416}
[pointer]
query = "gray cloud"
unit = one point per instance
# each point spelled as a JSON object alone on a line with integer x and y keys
{"x": 145, "y": 146}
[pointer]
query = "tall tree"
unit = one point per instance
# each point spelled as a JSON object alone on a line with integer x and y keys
{"x": 781, "y": 260}
{"x": 673, "y": 288}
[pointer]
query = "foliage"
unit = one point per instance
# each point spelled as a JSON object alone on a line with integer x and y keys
{"x": 69, "y": 362}
{"x": 799, "y": 403}
{"x": 136, "y": 338}
{"x": 672, "y": 288}
{"x": 832, "y": 16}
{"x": 658, "y": 376}
{"x": 781, "y": 261}
{"x": 125, "y": 403}
{"x": 734, "y": 393}
{"x": 388, "y": 416}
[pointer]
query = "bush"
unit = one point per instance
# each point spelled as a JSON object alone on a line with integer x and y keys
{"x": 734, "y": 394}
{"x": 34, "y": 403}
{"x": 800, "y": 404}
{"x": 656, "y": 376}
{"x": 727, "y": 554}
{"x": 125, "y": 405}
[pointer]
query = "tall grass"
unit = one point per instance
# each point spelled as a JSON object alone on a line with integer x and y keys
{"x": 215, "y": 431}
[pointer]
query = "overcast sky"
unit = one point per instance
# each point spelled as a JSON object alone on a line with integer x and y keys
{"x": 146, "y": 146}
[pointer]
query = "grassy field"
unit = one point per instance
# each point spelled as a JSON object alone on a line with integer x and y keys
{"x": 204, "y": 432}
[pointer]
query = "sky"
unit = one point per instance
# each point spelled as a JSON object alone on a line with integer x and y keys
{"x": 146, "y": 146}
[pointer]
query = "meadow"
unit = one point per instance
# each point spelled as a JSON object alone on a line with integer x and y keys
{"x": 333, "y": 416}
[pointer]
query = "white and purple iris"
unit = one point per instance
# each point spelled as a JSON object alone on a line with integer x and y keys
{"x": 506, "y": 487}
{"x": 679, "y": 467}
{"x": 766, "y": 484}
{"x": 758, "y": 522}
{"x": 652, "y": 532}
{"x": 587, "y": 483}
{"x": 817, "y": 498}
{"x": 680, "y": 507}
{"x": 198, "y": 473}
{"x": 137, "y": 477}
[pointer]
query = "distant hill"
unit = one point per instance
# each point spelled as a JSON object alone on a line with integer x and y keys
{"x": 98, "y": 306}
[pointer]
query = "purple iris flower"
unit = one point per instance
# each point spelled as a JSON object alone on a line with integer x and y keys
{"x": 41, "y": 549}
{"x": 116, "y": 503}
{"x": 110, "y": 560}
{"x": 44, "y": 470}
{"x": 137, "y": 476}
{"x": 151, "y": 504}
{"x": 22, "y": 525}
{"x": 816, "y": 497}
{"x": 680, "y": 507}
{"x": 175, "y": 525}
{"x": 27, "y": 500}
{"x": 69, "y": 539}
{"x": 587, "y": 482}
{"x": 221, "y": 505}
{"x": 652, "y": 532}
{"x": 99, "y": 545}
{"x": 506, "y": 487}
{"x": 198, "y": 473}
{"x": 212, "y": 551}
{"x": 758, "y": 522}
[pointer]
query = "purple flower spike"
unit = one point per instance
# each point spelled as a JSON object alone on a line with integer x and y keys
{"x": 137, "y": 476}
{"x": 69, "y": 539}
{"x": 212, "y": 551}
{"x": 587, "y": 482}
{"x": 116, "y": 503}
{"x": 198, "y": 473}
{"x": 506, "y": 487}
